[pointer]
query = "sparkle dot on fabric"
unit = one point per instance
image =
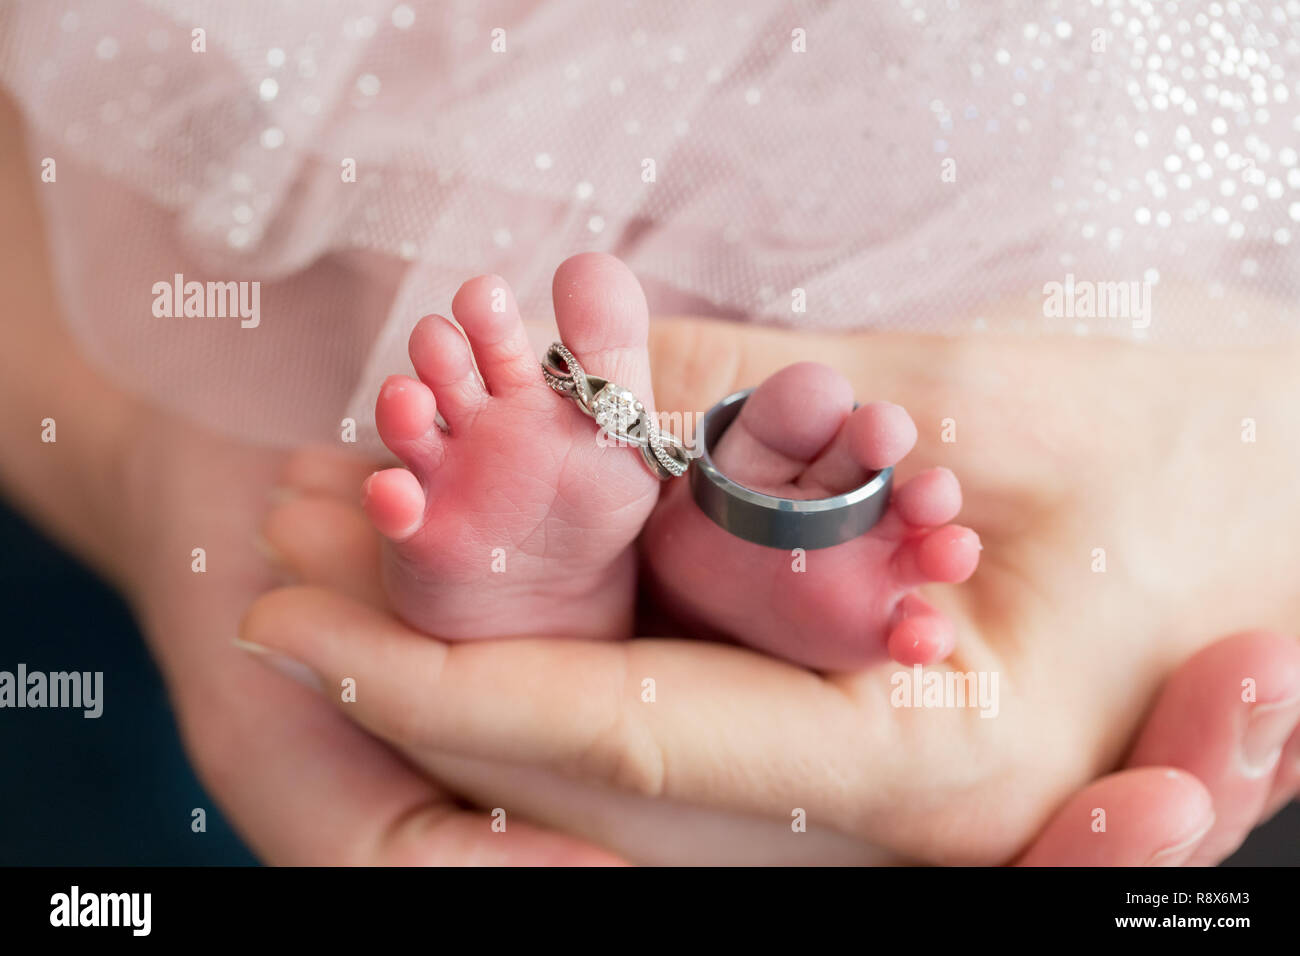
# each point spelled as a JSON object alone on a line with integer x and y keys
{"x": 1176, "y": 136}
{"x": 403, "y": 17}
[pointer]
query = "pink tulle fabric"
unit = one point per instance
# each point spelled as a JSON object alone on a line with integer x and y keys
{"x": 896, "y": 165}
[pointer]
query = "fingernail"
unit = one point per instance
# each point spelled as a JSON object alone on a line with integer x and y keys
{"x": 1173, "y": 855}
{"x": 296, "y": 671}
{"x": 282, "y": 493}
{"x": 275, "y": 559}
{"x": 1269, "y": 728}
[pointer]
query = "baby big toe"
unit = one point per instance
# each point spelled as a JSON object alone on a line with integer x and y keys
{"x": 786, "y": 422}
{"x": 602, "y": 318}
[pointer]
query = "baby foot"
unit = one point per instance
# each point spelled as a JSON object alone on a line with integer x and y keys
{"x": 514, "y": 521}
{"x": 834, "y": 608}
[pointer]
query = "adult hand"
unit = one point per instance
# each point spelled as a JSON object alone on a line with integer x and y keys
{"x": 132, "y": 492}
{"x": 748, "y": 736}
{"x": 740, "y": 733}
{"x": 301, "y": 783}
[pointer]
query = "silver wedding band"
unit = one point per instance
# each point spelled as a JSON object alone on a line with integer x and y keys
{"x": 786, "y": 523}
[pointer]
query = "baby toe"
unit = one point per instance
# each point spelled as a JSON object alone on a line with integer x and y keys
{"x": 785, "y": 424}
{"x": 930, "y": 499}
{"x": 946, "y": 555}
{"x": 920, "y": 634}
{"x": 443, "y": 360}
{"x": 602, "y": 318}
{"x": 880, "y": 434}
{"x": 394, "y": 501}
{"x": 874, "y": 437}
{"x": 406, "y": 416}
{"x": 486, "y": 309}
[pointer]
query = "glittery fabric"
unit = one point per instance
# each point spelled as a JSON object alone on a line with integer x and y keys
{"x": 896, "y": 165}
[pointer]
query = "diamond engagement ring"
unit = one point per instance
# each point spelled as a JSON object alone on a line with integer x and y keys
{"x": 618, "y": 412}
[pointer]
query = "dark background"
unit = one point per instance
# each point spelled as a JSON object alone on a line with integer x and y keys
{"x": 118, "y": 790}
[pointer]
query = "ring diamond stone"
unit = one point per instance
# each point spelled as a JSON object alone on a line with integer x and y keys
{"x": 616, "y": 410}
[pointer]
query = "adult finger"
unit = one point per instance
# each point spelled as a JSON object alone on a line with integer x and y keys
{"x": 326, "y": 541}
{"x": 1147, "y": 817}
{"x": 653, "y": 717}
{"x": 324, "y": 470}
{"x": 1225, "y": 716}
{"x": 1286, "y": 785}
{"x": 279, "y": 739}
